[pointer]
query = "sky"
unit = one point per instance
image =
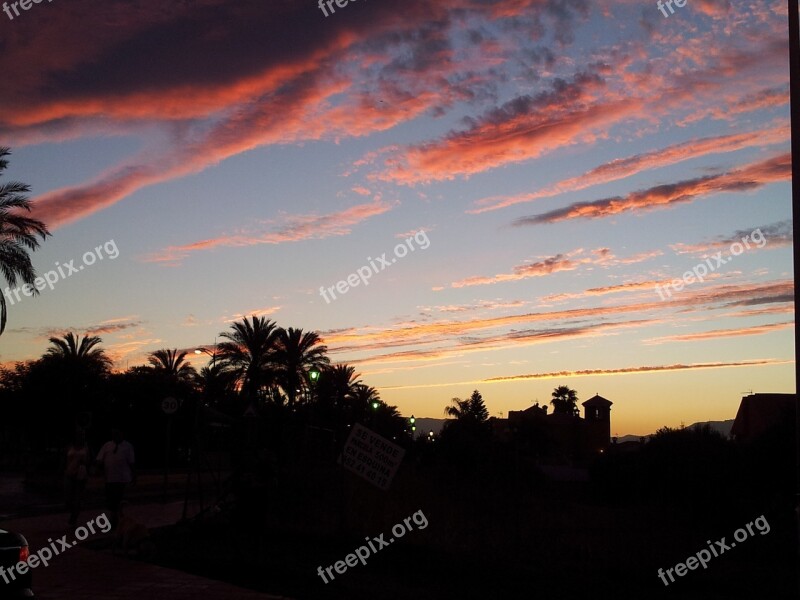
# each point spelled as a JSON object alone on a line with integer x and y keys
{"x": 512, "y": 178}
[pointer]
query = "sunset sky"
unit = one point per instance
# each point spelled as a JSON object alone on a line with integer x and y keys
{"x": 562, "y": 157}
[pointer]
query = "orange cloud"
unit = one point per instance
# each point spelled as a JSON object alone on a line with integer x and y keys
{"x": 643, "y": 369}
{"x": 257, "y": 312}
{"x": 453, "y": 332}
{"x": 580, "y": 110}
{"x": 374, "y": 70}
{"x": 633, "y": 286}
{"x": 295, "y": 228}
{"x": 736, "y": 105}
{"x": 625, "y": 167}
{"x": 504, "y": 341}
{"x": 747, "y": 178}
{"x": 554, "y": 264}
{"x": 721, "y": 333}
{"x": 520, "y": 130}
{"x": 775, "y": 235}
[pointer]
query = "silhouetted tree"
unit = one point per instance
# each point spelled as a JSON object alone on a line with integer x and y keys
{"x": 464, "y": 439}
{"x": 19, "y": 413}
{"x": 694, "y": 468}
{"x": 172, "y": 364}
{"x": 79, "y": 354}
{"x": 472, "y": 409}
{"x": 296, "y": 352}
{"x": 249, "y": 354}
{"x": 218, "y": 388}
{"x": 17, "y": 235}
{"x": 337, "y": 385}
{"x": 565, "y": 401}
{"x": 68, "y": 382}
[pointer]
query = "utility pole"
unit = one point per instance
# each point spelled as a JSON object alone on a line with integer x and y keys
{"x": 794, "y": 90}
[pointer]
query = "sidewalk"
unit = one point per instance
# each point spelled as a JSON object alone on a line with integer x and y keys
{"x": 86, "y": 574}
{"x": 46, "y": 495}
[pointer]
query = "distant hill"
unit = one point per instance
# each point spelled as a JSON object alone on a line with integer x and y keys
{"x": 426, "y": 424}
{"x": 723, "y": 427}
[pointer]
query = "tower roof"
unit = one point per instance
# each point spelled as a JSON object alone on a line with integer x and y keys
{"x": 597, "y": 400}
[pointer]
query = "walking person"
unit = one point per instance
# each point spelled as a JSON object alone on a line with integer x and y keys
{"x": 117, "y": 460}
{"x": 76, "y": 474}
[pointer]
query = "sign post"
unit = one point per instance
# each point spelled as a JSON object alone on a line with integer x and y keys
{"x": 168, "y": 405}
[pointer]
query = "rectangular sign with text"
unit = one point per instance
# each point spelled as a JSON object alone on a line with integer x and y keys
{"x": 371, "y": 456}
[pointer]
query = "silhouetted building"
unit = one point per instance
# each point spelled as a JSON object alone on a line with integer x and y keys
{"x": 597, "y": 423}
{"x": 568, "y": 436}
{"x": 759, "y": 412}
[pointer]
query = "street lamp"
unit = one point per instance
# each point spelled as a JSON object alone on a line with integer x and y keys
{"x": 196, "y": 434}
{"x": 213, "y": 355}
{"x": 313, "y": 378}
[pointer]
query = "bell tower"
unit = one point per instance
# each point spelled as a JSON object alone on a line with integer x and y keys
{"x": 597, "y": 423}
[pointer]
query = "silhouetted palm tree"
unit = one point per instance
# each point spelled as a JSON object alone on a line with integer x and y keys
{"x": 458, "y": 410}
{"x": 17, "y": 235}
{"x": 249, "y": 354}
{"x": 472, "y": 409}
{"x": 172, "y": 364}
{"x": 565, "y": 401}
{"x": 217, "y": 386}
{"x": 339, "y": 383}
{"x": 77, "y": 370}
{"x": 464, "y": 438}
{"x": 364, "y": 394}
{"x": 361, "y": 398}
{"x": 76, "y": 353}
{"x": 296, "y": 352}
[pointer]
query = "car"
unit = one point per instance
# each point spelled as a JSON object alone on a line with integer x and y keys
{"x": 13, "y": 549}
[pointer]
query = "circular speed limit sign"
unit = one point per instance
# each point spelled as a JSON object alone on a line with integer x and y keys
{"x": 169, "y": 405}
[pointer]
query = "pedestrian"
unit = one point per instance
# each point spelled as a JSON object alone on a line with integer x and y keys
{"x": 76, "y": 474}
{"x": 117, "y": 460}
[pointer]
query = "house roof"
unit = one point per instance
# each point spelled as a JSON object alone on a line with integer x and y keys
{"x": 758, "y": 412}
{"x": 597, "y": 400}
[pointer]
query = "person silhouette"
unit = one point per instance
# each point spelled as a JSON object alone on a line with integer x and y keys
{"x": 76, "y": 473}
{"x": 118, "y": 462}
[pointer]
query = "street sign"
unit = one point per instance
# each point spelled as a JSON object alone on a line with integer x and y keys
{"x": 169, "y": 405}
{"x": 371, "y": 456}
